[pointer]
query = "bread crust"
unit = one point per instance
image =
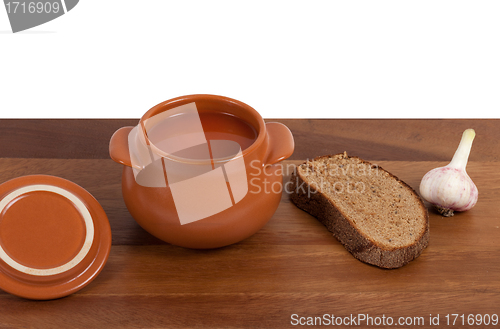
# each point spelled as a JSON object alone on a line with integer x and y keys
{"x": 360, "y": 246}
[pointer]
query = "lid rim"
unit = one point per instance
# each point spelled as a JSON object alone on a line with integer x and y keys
{"x": 164, "y": 106}
{"x": 89, "y": 230}
{"x": 82, "y": 273}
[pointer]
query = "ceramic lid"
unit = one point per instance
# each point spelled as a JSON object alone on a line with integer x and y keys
{"x": 54, "y": 237}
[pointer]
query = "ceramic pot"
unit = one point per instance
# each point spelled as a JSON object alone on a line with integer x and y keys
{"x": 214, "y": 181}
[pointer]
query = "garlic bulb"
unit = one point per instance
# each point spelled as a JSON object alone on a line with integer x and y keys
{"x": 449, "y": 188}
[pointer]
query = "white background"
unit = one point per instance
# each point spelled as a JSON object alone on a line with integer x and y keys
{"x": 287, "y": 59}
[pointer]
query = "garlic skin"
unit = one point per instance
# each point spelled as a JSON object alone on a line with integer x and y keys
{"x": 449, "y": 188}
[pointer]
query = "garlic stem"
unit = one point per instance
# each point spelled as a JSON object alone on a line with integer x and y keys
{"x": 461, "y": 156}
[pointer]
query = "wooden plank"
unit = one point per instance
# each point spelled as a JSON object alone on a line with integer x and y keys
{"x": 291, "y": 266}
{"x": 248, "y": 286}
{"x": 102, "y": 178}
{"x": 403, "y": 140}
{"x": 232, "y": 310}
{"x": 394, "y": 139}
{"x": 58, "y": 138}
{"x": 291, "y": 269}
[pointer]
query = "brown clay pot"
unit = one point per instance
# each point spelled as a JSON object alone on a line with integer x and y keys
{"x": 154, "y": 207}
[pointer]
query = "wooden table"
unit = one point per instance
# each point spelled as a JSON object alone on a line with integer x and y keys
{"x": 293, "y": 265}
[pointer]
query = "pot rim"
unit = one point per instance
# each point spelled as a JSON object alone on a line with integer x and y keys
{"x": 182, "y": 99}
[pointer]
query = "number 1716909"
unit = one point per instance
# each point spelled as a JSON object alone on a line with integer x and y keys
{"x": 24, "y": 7}
{"x": 471, "y": 319}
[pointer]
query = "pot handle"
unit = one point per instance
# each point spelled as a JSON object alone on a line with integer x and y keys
{"x": 281, "y": 144}
{"x": 118, "y": 146}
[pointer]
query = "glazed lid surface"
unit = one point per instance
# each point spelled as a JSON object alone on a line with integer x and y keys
{"x": 54, "y": 237}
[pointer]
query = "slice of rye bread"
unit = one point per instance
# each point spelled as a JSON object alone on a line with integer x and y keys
{"x": 378, "y": 218}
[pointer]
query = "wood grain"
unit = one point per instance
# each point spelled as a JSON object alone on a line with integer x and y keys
{"x": 291, "y": 266}
{"x": 395, "y": 139}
